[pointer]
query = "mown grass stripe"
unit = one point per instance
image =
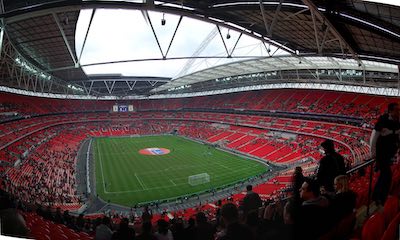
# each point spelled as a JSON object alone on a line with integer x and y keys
{"x": 133, "y": 178}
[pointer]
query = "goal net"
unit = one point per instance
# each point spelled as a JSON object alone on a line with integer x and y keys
{"x": 198, "y": 179}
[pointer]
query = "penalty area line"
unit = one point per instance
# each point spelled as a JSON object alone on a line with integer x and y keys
{"x": 172, "y": 182}
{"x": 140, "y": 182}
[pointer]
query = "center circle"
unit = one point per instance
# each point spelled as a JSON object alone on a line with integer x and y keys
{"x": 154, "y": 151}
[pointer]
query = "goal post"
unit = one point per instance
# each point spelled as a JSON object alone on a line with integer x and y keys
{"x": 198, "y": 179}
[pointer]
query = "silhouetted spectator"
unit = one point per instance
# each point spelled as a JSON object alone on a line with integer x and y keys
{"x": 312, "y": 219}
{"x": 146, "y": 232}
{"x": 163, "y": 232}
{"x": 190, "y": 230}
{"x": 66, "y": 217}
{"x": 58, "y": 216}
{"x": 204, "y": 230}
{"x": 47, "y": 214}
{"x": 13, "y": 224}
{"x": 344, "y": 201}
{"x": 233, "y": 229}
{"x": 80, "y": 222}
{"x": 252, "y": 201}
{"x": 103, "y": 231}
{"x": 384, "y": 146}
{"x": 147, "y": 215}
{"x": 297, "y": 181}
{"x": 177, "y": 229}
{"x": 124, "y": 232}
{"x": 330, "y": 166}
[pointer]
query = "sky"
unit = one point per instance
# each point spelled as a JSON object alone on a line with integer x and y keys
{"x": 391, "y": 2}
{"x": 119, "y": 35}
{"x": 124, "y": 35}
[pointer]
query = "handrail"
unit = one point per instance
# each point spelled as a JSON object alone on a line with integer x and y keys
{"x": 371, "y": 173}
{"x": 358, "y": 167}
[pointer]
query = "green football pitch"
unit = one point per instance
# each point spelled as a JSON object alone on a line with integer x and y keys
{"x": 127, "y": 177}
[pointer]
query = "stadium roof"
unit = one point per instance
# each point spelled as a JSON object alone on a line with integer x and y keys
{"x": 280, "y": 63}
{"x": 43, "y": 34}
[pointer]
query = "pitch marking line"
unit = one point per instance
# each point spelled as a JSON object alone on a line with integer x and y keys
{"x": 133, "y": 191}
{"x": 101, "y": 167}
{"x": 172, "y": 182}
{"x": 140, "y": 182}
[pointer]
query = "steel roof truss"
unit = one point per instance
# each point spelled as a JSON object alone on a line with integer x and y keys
{"x": 131, "y": 84}
{"x": 146, "y": 15}
{"x": 321, "y": 47}
{"x": 316, "y": 13}
{"x": 35, "y": 81}
{"x": 277, "y": 11}
{"x": 86, "y": 35}
{"x": 65, "y": 38}
{"x": 315, "y": 32}
{"x": 152, "y": 83}
{"x": 295, "y": 14}
{"x": 1, "y": 34}
{"x": 223, "y": 41}
{"x": 234, "y": 47}
{"x": 111, "y": 87}
{"x": 173, "y": 36}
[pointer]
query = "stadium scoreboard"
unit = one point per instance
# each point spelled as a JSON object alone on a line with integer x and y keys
{"x": 123, "y": 108}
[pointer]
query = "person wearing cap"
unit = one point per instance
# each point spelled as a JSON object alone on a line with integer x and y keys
{"x": 330, "y": 166}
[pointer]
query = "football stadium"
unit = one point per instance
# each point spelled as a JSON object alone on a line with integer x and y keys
{"x": 217, "y": 120}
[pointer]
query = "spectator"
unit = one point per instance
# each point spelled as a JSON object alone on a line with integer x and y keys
{"x": 297, "y": 181}
{"x": 163, "y": 232}
{"x": 384, "y": 143}
{"x": 103, "y": 231}
{"x": 147, "y": 215}
{"x": 330, "y": 166}
{"x": 58, "y": 216}
{"x": 286, "y": 232}
{"x": 80, "y": 222}
{"x": 47, "y": 214}
{"x": 312, "y": 219}
{"x": 190, "y": 230}
{"x": 177, "y": 229}
{"x": 204, "y": 230}
{"x": 124, "y": 232}
{"x": 233, "y": 229}
{"x": 146, "y": 232}
{"x": 252, "y": 201}
{"x": 13, "y": 224}
{"x": 344, "y": 201}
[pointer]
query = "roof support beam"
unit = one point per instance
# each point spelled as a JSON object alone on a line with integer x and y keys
{"x": 86, "y": 35}
{"x": 315, "y": 32}
{"x": 2, "y": 10}
{"x": 315, "y": 13}
{"x": 65, "y": 38}
{"x": 264, "y": 16}
{"x": 1, "y": 34}
{"x": 173, "y": 36}
{"x": 131, "y": 84}
{"x": 152, "y": 83}
{"x": 278, "y": 9}
{"x": 223, "y": 41}
{"x": 234, "y": 47}
{"x": 146, "y": 14}
{"x": 295, "y": 14}
{"x": 111, "y": 87}
{"x": 269, "y": 28}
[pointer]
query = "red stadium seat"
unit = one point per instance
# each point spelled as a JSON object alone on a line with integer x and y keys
{"x": 390, "y": 209}
{"x": 374, "y": 227}
{"x": 392, "y": 232}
